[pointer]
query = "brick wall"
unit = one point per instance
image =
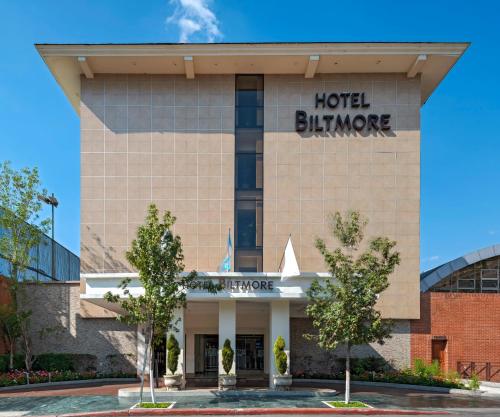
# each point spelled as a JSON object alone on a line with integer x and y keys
{"x": 4, "y": 300}
{"x": 470, "y": 324}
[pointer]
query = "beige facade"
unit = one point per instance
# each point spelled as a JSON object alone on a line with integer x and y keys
{"x": 169, "y": 140}
{"x": 161, "y": 139}
{"x": 158, "y": 125}
{"x": 308, "y": 175}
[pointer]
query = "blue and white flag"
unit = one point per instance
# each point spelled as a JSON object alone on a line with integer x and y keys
{"x": 225, "y": 265}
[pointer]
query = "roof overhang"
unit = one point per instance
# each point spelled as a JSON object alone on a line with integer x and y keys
{"x": 430, "y": 61}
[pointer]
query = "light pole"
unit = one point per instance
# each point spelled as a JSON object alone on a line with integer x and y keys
{"x": 52, "y": 201}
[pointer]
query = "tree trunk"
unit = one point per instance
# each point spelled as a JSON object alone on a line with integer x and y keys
{"x": 151, "y": 370}
{"x": 28, "y": 354}
{"x": 11, "y": 356}
{"x": 144, "y": 362}
{"x": 348, "y": 374}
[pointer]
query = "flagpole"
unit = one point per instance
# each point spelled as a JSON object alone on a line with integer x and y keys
{"x": 289, "y": 237}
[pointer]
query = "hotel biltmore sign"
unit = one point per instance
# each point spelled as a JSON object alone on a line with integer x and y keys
{"x": 335, "y": 122}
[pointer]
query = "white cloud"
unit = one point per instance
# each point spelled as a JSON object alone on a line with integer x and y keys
{"x": 431, "y": 258}
{"x": 195, "y": 20}
{"x": 492, "y": 232}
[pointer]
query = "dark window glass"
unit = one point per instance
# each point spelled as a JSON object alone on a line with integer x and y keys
{"x": 249, "y": 141}
{"x": 246, "y": 218}
{"x": 249, "y": 120}
{"x": 249, "y": 117}
{"x": 245, "y": 98}
{"x": 248, "y": 171}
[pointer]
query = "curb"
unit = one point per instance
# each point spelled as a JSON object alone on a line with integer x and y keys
{"x": 251, "y": 411}
{"x": 214, "y": 393}
{"x": 394, "y": 385}
{"x": 63, "y": 383}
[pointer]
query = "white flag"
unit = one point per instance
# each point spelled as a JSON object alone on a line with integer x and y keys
{"x": 290, "y": 267}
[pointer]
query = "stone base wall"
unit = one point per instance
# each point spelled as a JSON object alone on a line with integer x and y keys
{"x": 308, "y": 358}
{"x": 57, "y": 327}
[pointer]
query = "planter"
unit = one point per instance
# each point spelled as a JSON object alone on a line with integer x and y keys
{"x": 172, "y": 382}
{"x": 282, "y": 382}
{"x": 227, "y": 382}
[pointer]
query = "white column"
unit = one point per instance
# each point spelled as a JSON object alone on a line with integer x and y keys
{"x": 178, "y": 322}
{"x": 227, "y": 330}
{"x": 279, "y": 317}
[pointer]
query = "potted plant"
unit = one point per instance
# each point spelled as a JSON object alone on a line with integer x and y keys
{"x": 172, "y": 380}
{"x": 227, "y": 381}
{"x": 282, "y": 381}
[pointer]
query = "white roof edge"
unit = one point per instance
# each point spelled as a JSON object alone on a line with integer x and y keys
{"x": 313, "y": 48}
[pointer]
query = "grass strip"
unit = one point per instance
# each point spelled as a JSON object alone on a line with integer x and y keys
{"x": 351, "y": 404}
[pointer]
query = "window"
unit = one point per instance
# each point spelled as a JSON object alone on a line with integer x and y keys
{"x": 249, "y": 134}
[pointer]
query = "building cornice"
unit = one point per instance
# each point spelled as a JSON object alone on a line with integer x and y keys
{"x": 430, "y": 61}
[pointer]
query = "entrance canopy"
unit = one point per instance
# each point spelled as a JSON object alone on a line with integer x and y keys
{"x": 249, "y": 286}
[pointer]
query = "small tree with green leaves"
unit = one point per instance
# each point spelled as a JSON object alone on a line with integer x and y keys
{"x": 173, "y": 354}
{"x": 21, "y": 229}
{"x": 10, "y": 329}
{"x": 156, "y": 253}
{"x": 280, "y": 357}
{"x": 227, "y": 356}
{"x": 343, "y": 308}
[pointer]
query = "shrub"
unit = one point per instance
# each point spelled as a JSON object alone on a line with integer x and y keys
{"x": 474, "y": 383}
{"x": 424, "y": 370}
{"x": 227, "y": 356}
{"x": 173, "y": 354}
{"x": 77, "y": 362}
{"x": 4, "y": 362}
{"x": 280, "y": 357}
{"x": 360, "y": 366}
{"x": 54, "y": 362}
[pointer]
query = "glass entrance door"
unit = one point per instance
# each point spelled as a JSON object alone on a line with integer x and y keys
{"x": 206, "y": 353}
{"x": 250, "y": 352}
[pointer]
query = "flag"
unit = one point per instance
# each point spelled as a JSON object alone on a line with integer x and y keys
{"x": 290, "y": 267}
{"x": 225, "y": 265}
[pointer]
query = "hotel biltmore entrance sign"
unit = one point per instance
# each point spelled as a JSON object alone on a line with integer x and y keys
{"x": 241, "y": 285}
{"x": 340, "y": 123}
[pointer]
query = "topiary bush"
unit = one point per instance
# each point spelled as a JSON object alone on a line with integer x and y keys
{"x": 280, "y": 357}
{"x": 173, "y": 354}
{"x": 227, "y": 356}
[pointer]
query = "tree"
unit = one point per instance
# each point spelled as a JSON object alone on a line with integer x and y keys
{"x": 343, "y": 308}
{"x": 157, "y": 256}
{"x": 21, "y": 230}
{"x": 10, "y": 329}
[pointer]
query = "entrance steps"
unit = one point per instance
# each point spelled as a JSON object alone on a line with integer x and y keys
{"x": 211, "y": 381}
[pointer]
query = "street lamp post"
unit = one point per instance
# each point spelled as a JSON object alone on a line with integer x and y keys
{"x": 52, "y": 201}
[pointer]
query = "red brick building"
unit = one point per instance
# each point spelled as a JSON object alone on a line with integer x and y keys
{"x": 460, "y": 315}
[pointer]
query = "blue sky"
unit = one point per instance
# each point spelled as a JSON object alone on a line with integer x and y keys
{"x": 460, "y": 138}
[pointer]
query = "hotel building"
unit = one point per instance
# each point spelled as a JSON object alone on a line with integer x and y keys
{"x": 262, "y": 140}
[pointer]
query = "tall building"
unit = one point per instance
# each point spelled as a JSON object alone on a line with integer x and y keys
{"x": 259, "y": 141}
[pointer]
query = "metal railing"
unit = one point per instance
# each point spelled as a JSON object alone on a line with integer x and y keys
{"x": 486, "y": 371}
